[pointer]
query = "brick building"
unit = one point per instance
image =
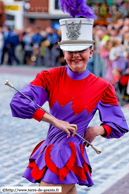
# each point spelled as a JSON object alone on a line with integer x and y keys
{"x": 2, "y": 14}
{"x": 43, "y": 13}
{"x": 14, "y": 13}
{"x": 32, "y": 13}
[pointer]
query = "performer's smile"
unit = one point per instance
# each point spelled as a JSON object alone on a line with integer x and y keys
{"x": 77, "y": 60}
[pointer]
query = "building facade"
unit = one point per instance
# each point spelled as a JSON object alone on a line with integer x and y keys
{"x": 14, "y": 13}
{"x": 32, "y": 13}
{"x": 43, "y": 13}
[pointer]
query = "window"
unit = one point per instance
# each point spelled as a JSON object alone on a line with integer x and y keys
{"x": 54, "y": 7}
{"x": 57, "y": 4}
{"x": 10, "y": 17}
{"x": 32, "y": 21}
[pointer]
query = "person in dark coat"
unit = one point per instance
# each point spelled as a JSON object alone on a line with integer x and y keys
{"x": 14, "y": 40}
{"x": 7, "y": 43}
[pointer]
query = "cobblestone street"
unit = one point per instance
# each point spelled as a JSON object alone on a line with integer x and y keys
{"x": 18, "y": 137}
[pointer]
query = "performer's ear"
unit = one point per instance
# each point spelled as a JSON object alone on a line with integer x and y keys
{"x": 91, "y": 52}
{"x": 64, "y": 54}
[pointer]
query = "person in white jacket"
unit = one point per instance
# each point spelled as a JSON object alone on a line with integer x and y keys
{"x": 116, "y": 55}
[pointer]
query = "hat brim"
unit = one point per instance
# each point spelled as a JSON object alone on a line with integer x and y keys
{"x": 74, "y": 47}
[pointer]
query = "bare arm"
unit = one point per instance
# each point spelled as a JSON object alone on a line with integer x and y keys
{"x": 94, "y": 131}
{"x": 62, "y": 125}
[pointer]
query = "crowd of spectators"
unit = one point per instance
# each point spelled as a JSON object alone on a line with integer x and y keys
{"x": 112, "y": 44}
{"x": 111, "y": 56}
{"x": 36, "y": 48}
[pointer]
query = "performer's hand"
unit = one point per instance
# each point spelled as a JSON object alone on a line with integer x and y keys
{"x": 65, "y": 126}
{"x": 92, "y": 132}
{"x": 59, "y": 124}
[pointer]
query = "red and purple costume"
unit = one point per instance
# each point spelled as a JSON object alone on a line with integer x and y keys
{"x": 75, "y": 98}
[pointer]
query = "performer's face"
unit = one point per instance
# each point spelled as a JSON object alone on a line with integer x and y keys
{"x": 77, "y": 61}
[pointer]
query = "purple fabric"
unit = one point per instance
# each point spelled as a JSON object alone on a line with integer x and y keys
{"x": 59, "y": 155}
{"x": 71, "y": 178}
{"x": 66, "y": 113}
{"x": 77, "y": 8}
{"x": 27, "y": 175}
{"x": 76, "y": 76}
{"x": 22, "y": 107}
{"x": 112, "y": 116}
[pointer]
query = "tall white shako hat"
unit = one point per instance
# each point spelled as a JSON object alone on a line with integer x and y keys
{"x": 76, "y": 32}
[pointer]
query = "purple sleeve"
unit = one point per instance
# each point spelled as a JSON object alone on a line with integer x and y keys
{"x": 21, "y": 107}
{"x": 112, "y": 115}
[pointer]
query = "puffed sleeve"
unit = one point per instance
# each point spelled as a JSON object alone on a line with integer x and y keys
{"x": 38, "y": 90}
{"x": 111, "y": 115}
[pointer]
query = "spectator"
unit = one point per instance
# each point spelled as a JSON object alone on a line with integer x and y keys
{"x": 52, "y": 37}
{"x": 7, "y": 43}
{"x": 20, "y": 47}
{"x": 105, "y": 54}
{"x": 44, "y": 45}
{"x": 14, "y": 41}
{"x": 116, "y": 76}
{"x": 116, "y": 55}
{"x": 37, "y": 37}
{"x": 52, "y": 50}
{"x": 126, "y": 49}
{"x": 27, "y": 39}
{"x": 1, "y": 44}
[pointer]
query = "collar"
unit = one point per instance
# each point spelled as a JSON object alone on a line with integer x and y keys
{"x": 76, "y": 76}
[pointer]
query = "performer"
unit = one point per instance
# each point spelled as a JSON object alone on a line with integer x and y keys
{"x": 74, "y": 95}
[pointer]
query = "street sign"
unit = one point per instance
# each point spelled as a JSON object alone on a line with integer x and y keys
{"x": 11, "y": 8}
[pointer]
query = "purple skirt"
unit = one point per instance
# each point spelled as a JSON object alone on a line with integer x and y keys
{"x": 59, "y": 164}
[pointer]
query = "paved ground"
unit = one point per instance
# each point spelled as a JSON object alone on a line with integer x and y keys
{"x": 121, "y": 187}
{"x": 18, "y": 138}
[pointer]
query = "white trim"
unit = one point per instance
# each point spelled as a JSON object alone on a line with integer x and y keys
{"x": 52, "y": 9}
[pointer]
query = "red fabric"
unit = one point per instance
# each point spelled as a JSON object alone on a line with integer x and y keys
{"x": 124, "y": 80}
{"x": 37, "y": 146}
{"x": 65, "y": 170}
{"x": 79, "y": 172}
{"x": 73, "y": 90}
{"x": 108, "y": 130}
{"x": 109, "y": 96}
{"x": 86, "y": 168}
{"x": 115, "y": 80}
{"x": 49, "y": 162}
{"x": 85, "y": 164}
{"x": 42, "y": 79}
{"x": 35, "y": 172}
{"x": 38, "y": 114}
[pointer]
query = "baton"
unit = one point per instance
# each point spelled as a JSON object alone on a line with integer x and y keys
{"x": 98, "y": 150}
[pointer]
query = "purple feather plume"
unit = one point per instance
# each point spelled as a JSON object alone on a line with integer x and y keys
{"x": 77, "y": 8}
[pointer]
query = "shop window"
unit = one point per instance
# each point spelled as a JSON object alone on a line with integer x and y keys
{"x": 57, "y": 4}
{"x": 10, "y": 17}
{"x": 32, "y": 21}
